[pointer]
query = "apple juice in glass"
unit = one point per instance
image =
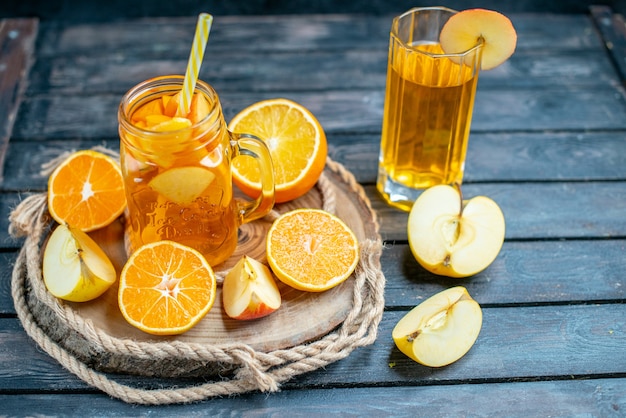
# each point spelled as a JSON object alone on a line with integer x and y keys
{"x": 428, "y": 108}
{"x": 177, "y": 170}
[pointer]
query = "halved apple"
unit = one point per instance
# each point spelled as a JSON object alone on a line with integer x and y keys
{"x": 440, "y": 330}
{"x": 465, "y": 28}
{"x": 249, "y": 291}
{"x": 74, "y": 267}
{"x": 452, "y": 237}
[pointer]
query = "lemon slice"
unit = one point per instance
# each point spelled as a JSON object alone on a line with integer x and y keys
{"x": 182, "y": 185}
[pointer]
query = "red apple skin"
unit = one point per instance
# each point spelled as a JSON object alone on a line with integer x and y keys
{"x": 256, "y": 309}
{"x": 249, "y": 291}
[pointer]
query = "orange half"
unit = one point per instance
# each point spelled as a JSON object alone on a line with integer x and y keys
{"x": 296, "y": 141}
{"x": 86, "y": 191}
{"x": 166, "y": 288}
{"x": 311, "y": 249}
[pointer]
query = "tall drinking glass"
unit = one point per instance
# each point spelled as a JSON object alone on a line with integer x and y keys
{"x": 428, "y": 107}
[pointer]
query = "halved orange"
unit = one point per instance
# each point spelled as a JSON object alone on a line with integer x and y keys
{"x": 86, "y": 191}
{"x": 166, "y": 288}
{"x": 296, "y": 141}
{"x": 465, "y": 28}
{"x": 311, "y": 249}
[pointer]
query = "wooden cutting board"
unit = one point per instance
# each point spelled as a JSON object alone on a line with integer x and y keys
{"x": 303, "y": 316}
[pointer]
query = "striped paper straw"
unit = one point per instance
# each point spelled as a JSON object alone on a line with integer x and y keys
{"x": 195, "y": 60}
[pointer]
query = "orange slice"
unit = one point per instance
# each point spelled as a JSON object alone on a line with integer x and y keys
{"x": 86, "y": 191}
{"x": 311, "y": 249}
{"x": 161, "y": 123}
{"x": 296, "y": 142}
{"x": 166, "y": 288}
{"x": 465, "y": 28}
{"x": 200, "y": 108}
{"x": 175, "y": 136}
{"x": 154, "y": 107}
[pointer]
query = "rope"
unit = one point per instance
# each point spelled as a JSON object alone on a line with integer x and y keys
{"x": 254, "y": 370}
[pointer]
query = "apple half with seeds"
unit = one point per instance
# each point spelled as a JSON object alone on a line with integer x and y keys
{"x": 441, "y": 329}
{"x": 452, "y": 237}
{"x": 465, "y": 28}
{"x": 75, "y": 268}
{"x": 249, "y": 291}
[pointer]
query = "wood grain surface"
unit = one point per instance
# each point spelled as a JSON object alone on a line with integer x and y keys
{"x": 17, "y": 37}
{"x": 547, "y": 143}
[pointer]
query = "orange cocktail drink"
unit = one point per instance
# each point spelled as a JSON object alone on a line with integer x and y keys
{"x": 428, "y": 108}
{"x": 177, "y": 170}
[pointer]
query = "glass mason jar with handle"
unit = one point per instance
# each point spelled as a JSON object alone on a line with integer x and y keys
{"x": 177, "y": 170}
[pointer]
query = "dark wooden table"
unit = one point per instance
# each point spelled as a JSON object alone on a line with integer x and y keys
{"x": 548, "y": 143}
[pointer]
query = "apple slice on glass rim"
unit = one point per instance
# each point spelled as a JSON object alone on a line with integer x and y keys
{"x": 462, "y": 31}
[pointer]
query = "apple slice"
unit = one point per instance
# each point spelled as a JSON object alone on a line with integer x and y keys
{"x": 249, "y": 290}
{"x": 74, "y": 267}
{"x": 199, "y": 108}
{"x": 171, "y": 108}
{"x": 440, "y": 330}
{"x": 452, "y": 237}
{"x": 182, "y": 185}
{"x": 465, "y": 28}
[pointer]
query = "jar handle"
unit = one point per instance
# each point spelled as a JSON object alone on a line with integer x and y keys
{"x": 247, "y": 144}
